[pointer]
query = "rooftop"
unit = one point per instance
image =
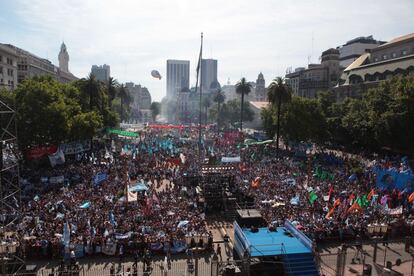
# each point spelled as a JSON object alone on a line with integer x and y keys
{"x": 259, "y": 105}
{"x": 395, "y": 41}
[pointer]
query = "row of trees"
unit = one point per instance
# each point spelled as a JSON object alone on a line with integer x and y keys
{"x": 49, "y": 112}
{"x": 381, "y": 119}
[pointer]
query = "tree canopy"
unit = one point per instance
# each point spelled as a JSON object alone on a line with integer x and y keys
{"x": 380, "y": 119}
{"x": 50, "y": 112}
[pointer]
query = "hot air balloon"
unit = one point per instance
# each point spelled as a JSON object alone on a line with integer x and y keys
{"x": 156, "y": 74}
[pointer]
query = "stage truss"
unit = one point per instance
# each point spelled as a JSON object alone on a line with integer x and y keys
{"x": 12, "y": 259}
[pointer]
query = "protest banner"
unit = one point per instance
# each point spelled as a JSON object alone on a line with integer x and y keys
{"x": 39, "y": 152}
{"x": 75, "y": 147}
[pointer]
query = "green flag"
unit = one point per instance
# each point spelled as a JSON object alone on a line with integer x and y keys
{"x": 312, "y": 197}
{"x": 363, "y": 201}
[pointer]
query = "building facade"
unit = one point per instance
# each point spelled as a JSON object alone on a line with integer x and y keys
{"x": 30, "y": 65}
{"x": 394, "y": 58}
{"x": 101, "y": 72}
{"x": 188, "y": 102}
{"x": 354, "y": 48}
{"x": 260, "y": 94}
{"x": 229, "y": 91}
{"x": 317, "y": 77}
{"x": 8, "y": 68}
{"x": 208, "y": 74}
{"x": 178, "y": 76}
{"x": 141, "y": 104}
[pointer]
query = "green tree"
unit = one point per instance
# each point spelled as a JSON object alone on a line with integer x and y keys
{"x": 112, "y": 90}
{"x": 242, "y": 88}
{"x": 155, "y": 110}
{"x": 84, "y": 125}
{"x": 206, "y": 103}
{"x": 43, "y": 112}
{"x": 278, "y": 93}
{"x": 125, "y": 99}
{"x": 219, "y": 98}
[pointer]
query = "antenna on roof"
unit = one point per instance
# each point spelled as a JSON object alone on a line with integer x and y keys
{"x": 312, "y": 45}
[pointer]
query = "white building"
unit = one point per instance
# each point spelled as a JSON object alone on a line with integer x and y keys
{"x": 354, "y": 48}
{"x": 8, "y": 67}
{"x": 178, "y": 76}
{"x": 229, "y": 91}
{"x": 102, "y": 72}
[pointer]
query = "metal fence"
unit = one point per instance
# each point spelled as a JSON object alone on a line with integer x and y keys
{"x": 369, "y": 258}
{"x": 155, "y": 269}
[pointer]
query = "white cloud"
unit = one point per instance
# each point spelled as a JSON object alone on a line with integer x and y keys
{"x": 136, "y": 36}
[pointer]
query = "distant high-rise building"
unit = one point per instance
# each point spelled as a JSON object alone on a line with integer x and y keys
{"x": 102, "y": 72}
{"x": 208, "y": 74}
{"x": 178, "y": 76}
{"x": 141, "y": 104}
{"x": 63, "y": 58}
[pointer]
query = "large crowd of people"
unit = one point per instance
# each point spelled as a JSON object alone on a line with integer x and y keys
{"x": 141, "y": 201}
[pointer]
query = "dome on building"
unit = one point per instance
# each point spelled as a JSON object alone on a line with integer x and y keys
{"x": 215, "y": 85}
{"x": 185, "y": 90}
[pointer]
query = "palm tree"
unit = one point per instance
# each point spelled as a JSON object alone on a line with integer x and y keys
{"x": 242, "y": 88}
{"x": 125, "y": 99}
{"x": 219, "y": 98}
{"x": 93, "y": 90}
{"x": 278, "y": 93}
{"x": 112, "y": 85}
{"x": 206, "y": 104}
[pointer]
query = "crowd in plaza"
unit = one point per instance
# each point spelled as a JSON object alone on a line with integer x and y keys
{"x": 140, "y": 201}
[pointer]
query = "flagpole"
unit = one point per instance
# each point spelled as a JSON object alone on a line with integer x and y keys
{"x": 201, "y": 92}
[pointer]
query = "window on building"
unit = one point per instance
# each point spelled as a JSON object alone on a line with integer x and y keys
{"x": 375, "y": 59}
{"x": 394, "y": 55}
{"x": 1, "y": 58}
{"x": 1, "y": 70}
{"x": 384, "y": 57}
{"x": 404, "y": 52}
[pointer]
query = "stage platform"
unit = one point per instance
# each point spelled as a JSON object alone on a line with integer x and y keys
{"x": 288, "y": 243}
{"x": 265, "y": 243}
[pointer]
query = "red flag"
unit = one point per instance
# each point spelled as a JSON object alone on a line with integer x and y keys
{"x": 256, "y": 183}
{"x": 354, "y": 208}
{"x": 243, "y": 167}
{"x": 351, "y": 198}
{"x": 336, "y": 204}
{"x": 330, "y": 192}
{"x": 411, "y": 197}
{"x": 371, "y": 194}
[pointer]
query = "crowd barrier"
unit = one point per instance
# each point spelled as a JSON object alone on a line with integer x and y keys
{"x": 111, "y": 248}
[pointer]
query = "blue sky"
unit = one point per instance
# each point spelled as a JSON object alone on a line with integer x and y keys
{"x": 137, "y": 36}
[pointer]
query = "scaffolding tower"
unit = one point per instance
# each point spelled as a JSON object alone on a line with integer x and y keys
{"x": 11, "y": 244}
